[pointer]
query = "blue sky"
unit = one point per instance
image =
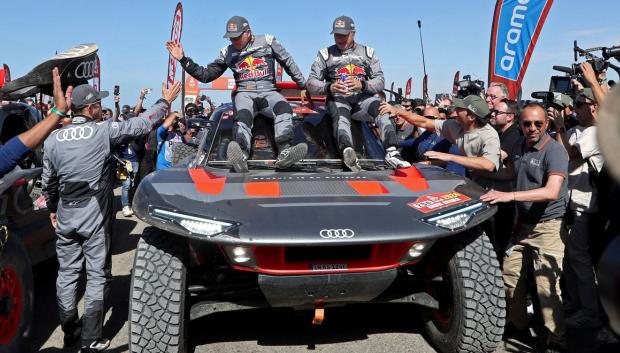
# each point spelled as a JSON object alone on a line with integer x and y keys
{"x": 131, "y": 36}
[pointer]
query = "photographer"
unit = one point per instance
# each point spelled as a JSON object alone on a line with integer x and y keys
{"x": 599, "y": 91}
{"x": 170, "y": 132}
{"x": 585, "y": 164}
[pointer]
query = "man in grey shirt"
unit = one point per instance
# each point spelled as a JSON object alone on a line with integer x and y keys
{"x": 470, "y": 131}
{"x": 541, "y": 167}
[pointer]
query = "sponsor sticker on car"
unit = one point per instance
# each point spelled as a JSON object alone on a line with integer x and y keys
{"x": 436, "y": 201}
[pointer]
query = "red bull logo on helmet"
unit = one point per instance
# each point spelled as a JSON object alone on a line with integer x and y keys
{"x": 252, "y": 67}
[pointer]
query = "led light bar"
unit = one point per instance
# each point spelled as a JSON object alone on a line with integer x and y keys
{"x": 455, "y": 219}
{"x": 192, "y": 224}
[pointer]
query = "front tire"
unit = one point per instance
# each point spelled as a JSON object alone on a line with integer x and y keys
{"x": 158, "y": 317}
{"x": 16, "y": 296}
{"x": 472, "y": 307}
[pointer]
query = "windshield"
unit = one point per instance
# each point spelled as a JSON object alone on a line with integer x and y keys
{"x": 314, "y": 129}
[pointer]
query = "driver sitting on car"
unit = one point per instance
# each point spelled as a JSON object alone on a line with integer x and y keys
{"x": 252, "y": 59}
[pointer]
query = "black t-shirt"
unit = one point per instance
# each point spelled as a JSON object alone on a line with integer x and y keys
{"x": 510, "y": 138}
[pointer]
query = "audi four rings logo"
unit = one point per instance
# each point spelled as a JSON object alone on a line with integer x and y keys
{"x": 75, "y": 133}
{"x": 337, "y": 233}
{"x": 85, "y": 69}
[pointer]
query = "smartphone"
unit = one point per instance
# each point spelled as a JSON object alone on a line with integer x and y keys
{"x": 117, "y": 90}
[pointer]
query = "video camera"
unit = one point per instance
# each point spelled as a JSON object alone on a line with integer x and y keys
{"x": 467, "y": 87}
{"x": 599, "y": 64}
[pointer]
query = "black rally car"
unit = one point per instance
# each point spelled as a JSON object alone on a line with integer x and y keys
{"x": 311, "y": 237}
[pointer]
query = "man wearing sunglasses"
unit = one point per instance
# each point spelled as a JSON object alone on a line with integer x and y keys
{"x": 585, "y": 163}
{"x": 252, "y": 59}
{"x": 541, "y": 166}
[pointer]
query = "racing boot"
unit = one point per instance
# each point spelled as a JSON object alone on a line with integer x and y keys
{"x": 349, "y": 157}
{"x": 291, "y": 155}
{"x": 96, "y": 346}
{"x": 72, "y": 329}
{"x": 394, "y": 160}
{"x": 237, "y": 157}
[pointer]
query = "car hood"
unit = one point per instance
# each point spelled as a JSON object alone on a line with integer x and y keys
{"x": 274, "y": 207}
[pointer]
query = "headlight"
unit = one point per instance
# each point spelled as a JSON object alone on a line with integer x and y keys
{"x": 456, "y": 219}
{"x": 196, "y": 225}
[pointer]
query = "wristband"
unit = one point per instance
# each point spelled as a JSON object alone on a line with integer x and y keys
{"x": 58, "y": 112}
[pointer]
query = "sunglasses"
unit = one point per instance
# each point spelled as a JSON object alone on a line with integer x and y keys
{"x": 538, "y": 124}
{"x": 492, "y": 96}
{"x": 430, "y": 116}
{"x": 497, "y": 112}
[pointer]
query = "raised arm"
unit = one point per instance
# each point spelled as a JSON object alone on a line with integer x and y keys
{"x": 201, "y": 73}
{"x": 411, "y": 117}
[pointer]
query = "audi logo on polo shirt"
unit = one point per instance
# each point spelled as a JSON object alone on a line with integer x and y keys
{"x": 336, "y": 233}
{"x": 74, "y": 133}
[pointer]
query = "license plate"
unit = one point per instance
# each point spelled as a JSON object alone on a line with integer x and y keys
{"x": 327, "y": 267}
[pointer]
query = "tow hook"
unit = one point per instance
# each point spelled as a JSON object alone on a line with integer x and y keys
{"x": 319, "y": 313}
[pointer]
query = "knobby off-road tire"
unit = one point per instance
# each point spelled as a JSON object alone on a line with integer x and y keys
{"x": 472, "y": 310}
{"x": 16, "y": 296}
{"x": 158, "y": 318}
{"x": 182, "y": 151}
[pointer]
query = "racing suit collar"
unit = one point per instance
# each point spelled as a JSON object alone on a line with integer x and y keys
{"x": 80, "y": 119}
{"x": 348, "y": 50}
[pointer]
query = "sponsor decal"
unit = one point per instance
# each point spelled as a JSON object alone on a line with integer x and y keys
{"x": 86, "y": 69}
{"x": 252, "y": 67}
{"x": 74, "y": 134}
{"x": 351, "y": 69}
{"x": 436, "y": 201}
{"x": 516, "y": 27}
{"x": 232, "y": 27}
{"x": 327, "y": 267}
{"x": 339, "y": 24}
{"x": 337, "y": 233}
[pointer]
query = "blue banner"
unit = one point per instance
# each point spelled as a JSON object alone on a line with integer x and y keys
{"x": 516, "y": 27}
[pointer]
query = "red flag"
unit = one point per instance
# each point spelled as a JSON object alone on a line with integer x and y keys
{"x": 279, "y": 73}
{"x": 425, "y": 88}
{"x": 175, "y": 36}
{"x": 5, "y": 75}
{"x": 97, "y": 74}
{"x": 455, "y": 83}
{"x": 516, "y": 27}
{"x": 408, "y": 88}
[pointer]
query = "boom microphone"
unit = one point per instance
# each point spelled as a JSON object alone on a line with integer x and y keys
{"x": 565, "y": 69}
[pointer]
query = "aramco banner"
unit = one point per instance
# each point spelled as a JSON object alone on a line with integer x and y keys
{"x": 516, "y": 27}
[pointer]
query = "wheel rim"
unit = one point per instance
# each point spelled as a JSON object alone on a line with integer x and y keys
{"x": 10, "y": 304}
{"x": 442, "y": 317}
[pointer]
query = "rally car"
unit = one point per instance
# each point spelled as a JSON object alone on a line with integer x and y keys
{"x": 312, "y": 237}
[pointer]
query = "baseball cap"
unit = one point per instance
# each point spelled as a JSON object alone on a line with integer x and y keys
{"x": 475, "y": 104}
{"x": 586, "y": 93}
{"x": 236, "y": 26}
{"x": 562, "y": 100}
{"x": 84, "y": 95}
{"x": 343, "y": 25}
